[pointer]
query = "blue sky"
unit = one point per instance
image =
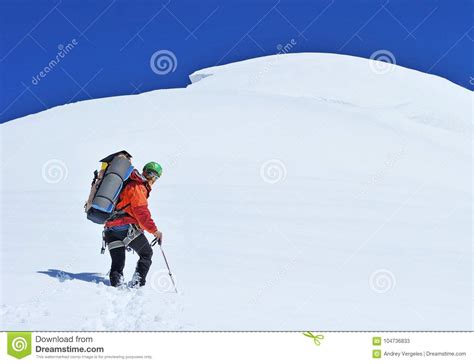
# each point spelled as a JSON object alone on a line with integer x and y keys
{"x": 107, "y": 44}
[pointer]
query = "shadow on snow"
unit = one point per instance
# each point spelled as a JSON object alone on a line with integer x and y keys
{"x": 86, "y": 276}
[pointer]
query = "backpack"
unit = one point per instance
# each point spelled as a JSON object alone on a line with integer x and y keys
{"x": 107, "y": 185}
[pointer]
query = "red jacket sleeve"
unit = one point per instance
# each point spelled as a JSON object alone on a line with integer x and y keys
{"x": 139, "y": 208}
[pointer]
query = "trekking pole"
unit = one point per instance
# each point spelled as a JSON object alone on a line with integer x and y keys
{"x": 153, "y": 243}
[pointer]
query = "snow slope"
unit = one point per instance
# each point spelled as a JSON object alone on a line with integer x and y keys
{"x": 302, "y": 191}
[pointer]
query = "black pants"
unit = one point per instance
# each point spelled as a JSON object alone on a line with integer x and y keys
{"x": 140, "y": 245}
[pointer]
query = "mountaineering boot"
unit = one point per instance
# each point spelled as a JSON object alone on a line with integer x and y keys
{"x": 116, "y": 279}
{"x": 136, "y": 281}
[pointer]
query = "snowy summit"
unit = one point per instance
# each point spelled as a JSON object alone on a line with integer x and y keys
{"x": 299, "y": 191}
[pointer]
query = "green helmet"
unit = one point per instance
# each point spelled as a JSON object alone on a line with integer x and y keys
{"x": 153, "y": 167}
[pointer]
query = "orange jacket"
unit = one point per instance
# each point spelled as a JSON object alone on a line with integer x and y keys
{"x": 133, "y": 201}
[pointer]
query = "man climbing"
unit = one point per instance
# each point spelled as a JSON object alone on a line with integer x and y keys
{"x": 125, "y": 228}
